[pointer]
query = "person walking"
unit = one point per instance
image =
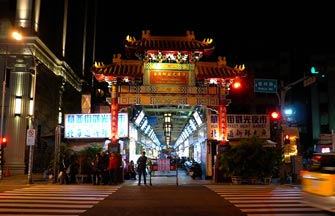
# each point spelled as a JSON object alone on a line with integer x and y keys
{"x": 141, "y": 167}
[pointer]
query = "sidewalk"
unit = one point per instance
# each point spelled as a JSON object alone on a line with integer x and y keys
{"x": 22, "y": 179}
{"x": 169, "y": 179}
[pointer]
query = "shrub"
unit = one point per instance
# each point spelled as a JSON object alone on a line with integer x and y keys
{"x": 249, "y": 159}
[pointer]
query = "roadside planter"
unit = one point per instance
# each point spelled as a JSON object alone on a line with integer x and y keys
{"x": 249, "y": 161}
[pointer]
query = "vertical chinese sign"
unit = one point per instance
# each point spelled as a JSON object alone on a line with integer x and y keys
{"x": 114, "y": 115}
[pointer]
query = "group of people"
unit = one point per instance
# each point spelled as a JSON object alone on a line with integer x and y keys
{"x": 105, "y": 168}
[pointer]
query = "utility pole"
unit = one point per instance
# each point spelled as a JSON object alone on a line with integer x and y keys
{"x": 281, "y": 102}
{"x": 3, "y": 96}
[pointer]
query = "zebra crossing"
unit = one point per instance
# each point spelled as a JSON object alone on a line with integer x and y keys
{"x": 264, "y": 200}
{"x": 53, "y": 199}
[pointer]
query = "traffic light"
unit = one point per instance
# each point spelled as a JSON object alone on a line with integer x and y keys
{"x": 274, "y": 125}
{"x": 314, "y": 70}
{"x": 318, "y": 70}
{"x": 3, "y": 142}
{"x": 287, "y": 139}
{"x": 236, "y": 84}
{"x": 275, "y": 116}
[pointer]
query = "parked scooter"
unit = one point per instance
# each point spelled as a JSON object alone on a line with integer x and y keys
{"x": 195, "y": 170}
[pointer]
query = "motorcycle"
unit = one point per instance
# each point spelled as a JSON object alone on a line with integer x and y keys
{"x": 195, "y": 170}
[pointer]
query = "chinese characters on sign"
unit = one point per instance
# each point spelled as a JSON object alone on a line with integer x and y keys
{"x": 265, "y": 85}
{"x": 94, "y": 125}
{"x": 246, "y": 126}
{"x": 169, "y": 77}
{"x": 213, "y": 127}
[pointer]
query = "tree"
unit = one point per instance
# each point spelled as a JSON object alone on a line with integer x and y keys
{"x": 86, "y": 156}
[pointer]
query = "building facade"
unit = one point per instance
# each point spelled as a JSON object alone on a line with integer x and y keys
{"x": 37, "y": 87}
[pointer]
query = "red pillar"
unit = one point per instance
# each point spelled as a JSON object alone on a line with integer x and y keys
{"x": 114, "y": 116}
{"x": 223, "y": 121}
{"x": 223, "y": 135}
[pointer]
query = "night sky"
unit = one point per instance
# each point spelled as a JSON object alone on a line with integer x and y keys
{"x": 238, "y": 29}
{"x": 241, "y": 31}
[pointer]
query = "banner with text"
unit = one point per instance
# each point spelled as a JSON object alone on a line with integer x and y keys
{"x": 246, "y": 126}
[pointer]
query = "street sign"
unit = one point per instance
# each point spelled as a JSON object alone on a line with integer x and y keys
{"x": 265, "y": 85}
{"x": 30, "y": 137}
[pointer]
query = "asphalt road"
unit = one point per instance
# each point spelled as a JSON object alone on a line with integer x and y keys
{"x": 160, "y": 200}
{"x": 163, "y": 197}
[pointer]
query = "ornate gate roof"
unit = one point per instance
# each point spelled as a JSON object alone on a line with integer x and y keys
{"x": 150, "y": 50}
{"x": 168, "y": 45}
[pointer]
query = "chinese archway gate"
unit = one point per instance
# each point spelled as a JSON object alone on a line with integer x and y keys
{"x": 168, "y": 70}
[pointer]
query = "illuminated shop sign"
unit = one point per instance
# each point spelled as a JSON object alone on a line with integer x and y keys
{"x": 246, "y": 126}
{"x": 97, "y": 125}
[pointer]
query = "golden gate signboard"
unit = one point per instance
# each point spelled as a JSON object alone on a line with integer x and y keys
{"x": 169, "y": 77}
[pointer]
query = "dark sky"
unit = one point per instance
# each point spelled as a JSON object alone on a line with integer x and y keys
{"x": 241, "y": 31}
{"x": 238, "y": 29}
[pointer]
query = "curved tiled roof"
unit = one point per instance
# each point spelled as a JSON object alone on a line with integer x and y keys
{"x": 119, "y": 68}
{"x": 166, "y": 43}
{"x": 205, "y": 70}
{"x": 153, "y": 44}
{"x": 135, "y": 69}
{"x": 169, "y": 44}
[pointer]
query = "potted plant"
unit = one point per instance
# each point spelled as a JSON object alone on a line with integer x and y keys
{"x": 229, "y": 164}
{"x": 271, "y": 157}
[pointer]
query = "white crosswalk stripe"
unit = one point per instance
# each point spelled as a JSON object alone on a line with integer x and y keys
{"x": 53, "y": 199}
{"x": 265, "y": 200}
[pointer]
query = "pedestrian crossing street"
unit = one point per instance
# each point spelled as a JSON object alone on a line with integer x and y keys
{"x": 265, "y": 200}
{"x": 53, "y": 199}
